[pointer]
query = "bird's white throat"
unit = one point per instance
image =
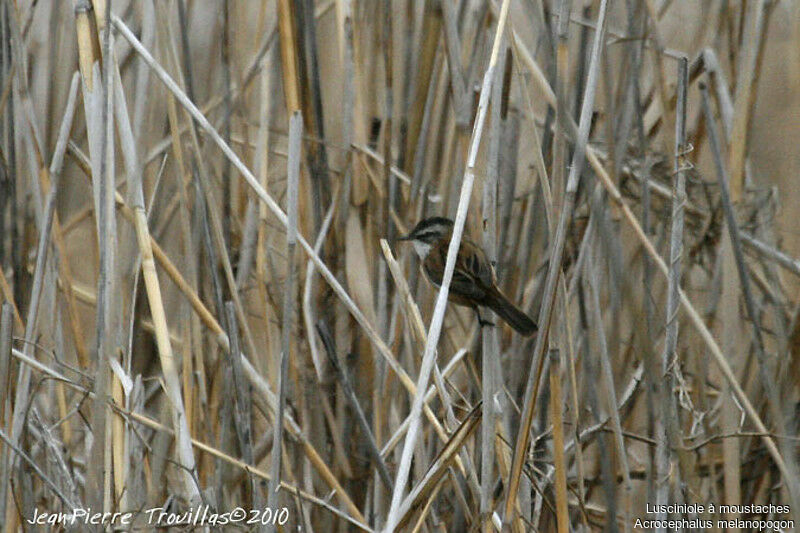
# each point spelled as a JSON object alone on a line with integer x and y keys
{"x": 422, "y": 248}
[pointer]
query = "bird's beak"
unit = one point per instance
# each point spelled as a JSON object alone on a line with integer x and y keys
{"x": 404, "y": 238}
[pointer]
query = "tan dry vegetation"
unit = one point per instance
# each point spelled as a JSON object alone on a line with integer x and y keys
{"x": 199, "y": 207}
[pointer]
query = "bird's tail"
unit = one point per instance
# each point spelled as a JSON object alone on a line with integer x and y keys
{"x": 510, "y": 313}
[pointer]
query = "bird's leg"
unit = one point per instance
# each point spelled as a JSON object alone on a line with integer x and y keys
{"x": 481, "y": 321}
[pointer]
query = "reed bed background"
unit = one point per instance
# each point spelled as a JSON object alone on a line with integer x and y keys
{"x": 206, "y": 305}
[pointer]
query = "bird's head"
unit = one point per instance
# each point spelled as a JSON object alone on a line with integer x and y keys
{"x": 427, "y": 233}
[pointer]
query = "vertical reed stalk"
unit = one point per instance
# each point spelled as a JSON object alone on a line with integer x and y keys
{"x": 293, "y": 169}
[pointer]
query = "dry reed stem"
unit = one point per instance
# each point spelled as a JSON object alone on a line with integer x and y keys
{"x": 6, "y": 331}
{"x": 308, "y": 313}
{"x": 609, "y": 391}
{"x": 293, "y": 170}
{"x": 668, "y": 429}
{"x": 287, "y": 32}
{"x": 8, "y": 296}
{"x": 558, "y": 443}
{"x": 747, "y": 71}
{"x": 490, "y": 345}
{"x": 242, "y": 410}
{"x": 789, "y": 263}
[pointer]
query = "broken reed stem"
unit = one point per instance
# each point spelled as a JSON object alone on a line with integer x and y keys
{"x": 554, "y": 270}
{"x": 293, "y": 171}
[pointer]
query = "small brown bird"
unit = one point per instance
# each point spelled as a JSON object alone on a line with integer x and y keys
{"x": 474, "y": 284}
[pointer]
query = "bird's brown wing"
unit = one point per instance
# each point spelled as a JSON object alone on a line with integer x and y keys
{"x": 472, "y": 259}
{"x": 473, "y": 284}
{"x": 472, "y": 276}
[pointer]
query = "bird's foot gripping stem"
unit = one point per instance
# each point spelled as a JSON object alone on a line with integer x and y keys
{"x": 484, "y": 323}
